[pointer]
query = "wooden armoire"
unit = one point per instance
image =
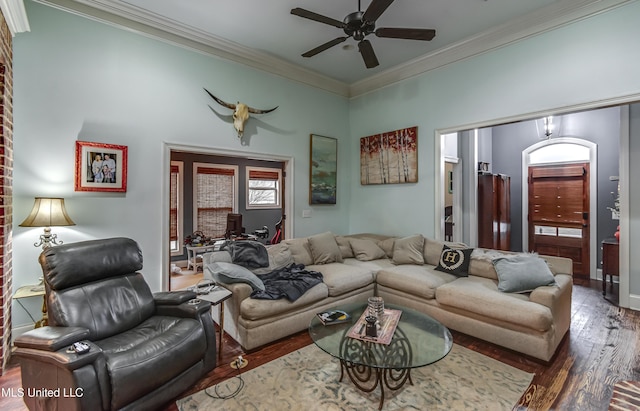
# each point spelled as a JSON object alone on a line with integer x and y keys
{"x": 494, "y": 211}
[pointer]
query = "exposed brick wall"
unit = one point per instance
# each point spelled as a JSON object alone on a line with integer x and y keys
{"x": 6, "y": 189}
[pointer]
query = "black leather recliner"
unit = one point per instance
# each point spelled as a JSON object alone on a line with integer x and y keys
{"x": 145, "y": 349}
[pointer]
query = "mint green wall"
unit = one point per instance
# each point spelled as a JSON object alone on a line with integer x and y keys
{"x": 77, "y": 79}
{"x": 588, "y": 61}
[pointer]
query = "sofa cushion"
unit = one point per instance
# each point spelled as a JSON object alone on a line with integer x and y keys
{"x": 419, "y": 280}
{"x": 233, "y": 273}
{"x": 255, "y": 309}
{"x": 433, "y": 249}
{"x": 345, "y": 246}
{"x": 455, "y": 261}
{"x": 374, "y": 265}
{"x": 387, "y": 245}
{"x": 366, "y": 250}
{"x": 343, "y": 278}
{"x": 324, "y": 248}
{"x": 409, "y": 250}
{"x": 522, "y": 273}
{"x": 480, "y": 296}
{"x": 279, "y": 257}
{"x": 482, "y": 262}
{"x": 299, "y": 248}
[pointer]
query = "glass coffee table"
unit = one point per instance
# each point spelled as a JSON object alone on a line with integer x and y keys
{"x": 419, "y": 340}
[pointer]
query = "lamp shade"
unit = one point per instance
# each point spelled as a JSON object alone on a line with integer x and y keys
{"x": 47, "y": 212}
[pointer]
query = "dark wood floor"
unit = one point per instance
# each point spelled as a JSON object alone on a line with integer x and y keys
{"x": 602, "y": 347}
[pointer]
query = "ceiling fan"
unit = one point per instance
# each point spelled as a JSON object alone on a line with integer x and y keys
{"x": 359, "y": 25}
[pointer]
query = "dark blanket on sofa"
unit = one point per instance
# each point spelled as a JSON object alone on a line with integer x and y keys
{"x": 289, "y": 282}
{"x": 247, "y": 253}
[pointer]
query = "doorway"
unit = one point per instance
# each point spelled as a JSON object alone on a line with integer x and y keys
{"x": 556, "y": 201}
{"x": 251, "y": 162}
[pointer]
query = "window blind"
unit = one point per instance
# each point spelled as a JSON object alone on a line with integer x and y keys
{"x": 214, "y": 197}
{"x": 173, "y": 204}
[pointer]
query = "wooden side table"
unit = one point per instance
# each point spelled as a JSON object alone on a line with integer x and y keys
{"x": 217, "y": 296}
{"x": 33, "y": 290}
{"x": 610, "y": 261}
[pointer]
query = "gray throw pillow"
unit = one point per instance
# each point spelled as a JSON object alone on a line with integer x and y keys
{"x": 232, "y": 273}
{"x": 216, "y": 257}
{"x": 387, "y": 245}
{"x": 324, "y": 248}
{"x": 279, "y": 258}
{"x": 409, "y": 250}
{"x": 522, "y": 273}
{"x": 366, "y": 250}
{"x": 345, "y": 246}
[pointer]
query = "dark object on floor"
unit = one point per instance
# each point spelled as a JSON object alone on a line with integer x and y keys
{"x": 144, "y": 349}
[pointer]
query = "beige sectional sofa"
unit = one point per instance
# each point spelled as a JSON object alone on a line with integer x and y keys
{"x": 403, "y": 272}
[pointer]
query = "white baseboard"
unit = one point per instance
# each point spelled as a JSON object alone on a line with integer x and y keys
{"x": 634, "y": 302}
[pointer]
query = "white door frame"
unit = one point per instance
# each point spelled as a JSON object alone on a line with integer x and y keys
{"x": 593, "y": 187}
{"x": 166, "y": 166}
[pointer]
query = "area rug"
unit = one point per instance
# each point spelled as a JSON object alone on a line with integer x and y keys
{"x": 307, "y": 379}
{"x": 626, "y": 396}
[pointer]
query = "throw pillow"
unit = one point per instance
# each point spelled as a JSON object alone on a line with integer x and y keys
{"x": 233, "y": 273}
{"x": 433, "y": 249}
{"x": 300, "y": 250}
{"x": 345, "y": 246}
{"x": 522, "y": 273}
{"x": 324, "y": 248}
{"x": 366, "y": 250}
{"x": 216, "y": 256}
{"x": 279, "y": 258}
{"x": 455, "y": 261}
{"x": 387, "y": 246}
{"x": 409, "y": 250}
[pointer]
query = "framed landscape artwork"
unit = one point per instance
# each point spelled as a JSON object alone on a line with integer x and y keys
{"x": 323, "y": 174}
{"x": 100, "y": 167}
{"x": 389, "y": 158}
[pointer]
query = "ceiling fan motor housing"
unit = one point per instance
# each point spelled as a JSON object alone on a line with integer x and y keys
{"x": 356, "y": 27}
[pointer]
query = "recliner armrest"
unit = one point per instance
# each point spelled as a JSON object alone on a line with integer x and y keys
{"x": 193, "y": 308}
{"x": 51, "y": 338}
{"x": 63, "y": 357}
{"x": 173, "y": 297}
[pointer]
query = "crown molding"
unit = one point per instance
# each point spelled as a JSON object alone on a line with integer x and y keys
{"x": 540, "y": 21}
{"x": 122, "y": 15}
{"x": 15, "y": 15}
{"x": 125, "y": 16}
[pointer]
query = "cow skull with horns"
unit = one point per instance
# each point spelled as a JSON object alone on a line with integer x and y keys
{"x": 240, "y": 112}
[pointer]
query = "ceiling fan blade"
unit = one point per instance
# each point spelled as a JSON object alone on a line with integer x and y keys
{"x": 368, "y": 55}
{"x": 375, "y": 10}
{"x": 317, "y": 17}
{"x": 324, "y": 46}
{"x": 406, "y": 33}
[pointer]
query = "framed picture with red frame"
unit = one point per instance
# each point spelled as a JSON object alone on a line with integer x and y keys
{"x": 100, "y": 167}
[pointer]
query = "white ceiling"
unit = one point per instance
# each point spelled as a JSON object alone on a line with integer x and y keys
{"x": 264, "y": 34}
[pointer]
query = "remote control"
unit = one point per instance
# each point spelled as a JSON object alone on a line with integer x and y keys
{"x": 80, "y": 347}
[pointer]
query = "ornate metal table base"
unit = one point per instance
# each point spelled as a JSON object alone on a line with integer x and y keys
{"x": 389, "y": 360}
